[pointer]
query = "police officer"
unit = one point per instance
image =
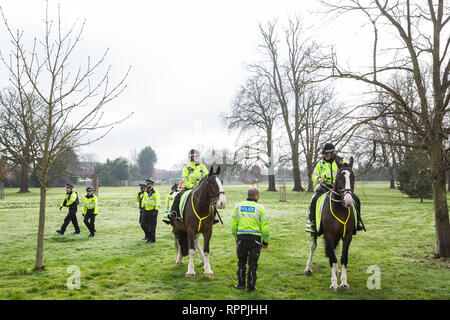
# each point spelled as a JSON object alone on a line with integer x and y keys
{"x": 71, "y": 201}
{"x": 249, "y": 223}
{"x": 325, "y": 174}
{"x": 169, "y": 199}
{"x": 139, "y": 197}
{"x": 193, "y": 172}
{"x": 150, "y": 203}
{"x": 90, "y": 210}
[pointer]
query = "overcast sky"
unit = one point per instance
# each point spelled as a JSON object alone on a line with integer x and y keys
{"x": 187, "y": 61}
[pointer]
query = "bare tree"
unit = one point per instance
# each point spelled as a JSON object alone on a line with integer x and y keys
{"x": 255, "y": 109}
{"x": 425, "y": 57}
{"x": 288, "y": 79}
{"x": 72, "y": 100}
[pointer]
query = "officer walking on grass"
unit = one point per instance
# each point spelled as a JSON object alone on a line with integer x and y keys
{"x": 249, "y": 223}
{"x": 90, "y": 210}
{"x": 151, "y": 202}
{"x": 71, "y": 201}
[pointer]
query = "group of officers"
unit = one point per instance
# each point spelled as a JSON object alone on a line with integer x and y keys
{"x": 249, "y": 221}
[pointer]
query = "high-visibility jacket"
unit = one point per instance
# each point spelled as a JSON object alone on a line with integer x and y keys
{"x": 327, "y": 170}
{"x": 169, "y": 201}
{"x": 151, "y": 200}
{"x": 193, "y": 173}
{"x": 250, "y": 217}
{"x": 70, "y": 200}
{"x": 90, "y": 204}
{"x": 139, "y": 197}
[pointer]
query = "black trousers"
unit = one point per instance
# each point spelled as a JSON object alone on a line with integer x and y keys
{"x": 71, "y": 217}
{"x": 89, "y": 221}
{"x": 141, "y": 220}
{"x": 248, "y": 251}
{"x": 149, "y": 221}
{"x": 320, "y": 191}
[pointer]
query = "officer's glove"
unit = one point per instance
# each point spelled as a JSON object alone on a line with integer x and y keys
{"x": 265, "y": 245}
{"x": 60, "y": 208}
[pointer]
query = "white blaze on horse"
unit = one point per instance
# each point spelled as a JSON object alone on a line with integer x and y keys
{"x": 198, "y": 218}
{"x": 337, "y": 223}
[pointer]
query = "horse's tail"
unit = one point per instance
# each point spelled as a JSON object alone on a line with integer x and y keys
{"x": 183, "y": 239}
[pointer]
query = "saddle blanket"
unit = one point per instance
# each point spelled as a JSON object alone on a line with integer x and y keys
{"x": 319, "y": 207}
{"x": 183, "y": 200}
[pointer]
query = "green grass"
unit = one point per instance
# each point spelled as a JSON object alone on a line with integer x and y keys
{"x": 117, "y": 264}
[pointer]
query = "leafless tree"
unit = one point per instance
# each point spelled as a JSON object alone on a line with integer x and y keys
{"x": 255, "y": 109}
{"x": 288, "y": 76}
{"x": 72, "y": 100}
{"x": 420, "y": 51}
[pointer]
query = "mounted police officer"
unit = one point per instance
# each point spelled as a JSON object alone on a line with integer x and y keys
{"x": 325, "y": 174}
{"x": 71, "y": 201}
{"x": 150, "y": 203}
{"x": 249, "y": 225}
{"x": 173, "y": 191}
{"x": 90, "y": 210}
{"x": 193, "y": 172}
{"x": 139, "y": 197}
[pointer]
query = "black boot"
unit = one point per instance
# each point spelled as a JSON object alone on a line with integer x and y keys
{"x": 60, "y": 231}
{"x": 241, "y": 279}
{"x": 251, "y": 281}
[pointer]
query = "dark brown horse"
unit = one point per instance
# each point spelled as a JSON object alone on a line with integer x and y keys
{"x": 337, "y": 222}
{"x": 198, "y": 218}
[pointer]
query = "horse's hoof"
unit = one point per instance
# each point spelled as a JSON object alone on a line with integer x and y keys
{"x": 344, "y": 287}
{"x": 308, "y": 273}
{"x": 209, "y": 274}
{"x": 179, "y": 262}
{"x": 334, "y": 287}
{"x": 190, "y": 274}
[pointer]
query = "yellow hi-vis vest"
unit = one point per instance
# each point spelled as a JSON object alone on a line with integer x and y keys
{"x": 250, "y": 217}
{"x": 193, "y": 173}
{"x": 90, "y": 204}
{"x": 327, "y": 171}
{"x": 151, "y": 201}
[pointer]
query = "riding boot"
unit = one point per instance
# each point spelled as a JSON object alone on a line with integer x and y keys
{"x": 312, "y": 218}
{"x": 251, "y": 280}
{"x": 241, "y": 279}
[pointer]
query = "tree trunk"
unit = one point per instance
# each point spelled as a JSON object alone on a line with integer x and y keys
{"x": 437, "y": 161}
{"x": 448, "y": 180}
{"x": 310, "y": 170}
{"x": 272, "y": 187}
{"x": 296, "y": 172}
{"x": 391, "y": 177}
{"x": 24, "y": 178}
{"x": 40, "y": 239}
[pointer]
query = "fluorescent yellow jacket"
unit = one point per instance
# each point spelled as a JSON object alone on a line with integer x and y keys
{"x": 90, "y": 205}
{"x": 139, "y": 197}
{"x": 327, "y": 171}
{"x": 250, "y": 217}
{"x": 169, "y": 201}
{"x": 193, "y": 173}
{"x": 70, "y": 200}
{"x": 151, "y": 200}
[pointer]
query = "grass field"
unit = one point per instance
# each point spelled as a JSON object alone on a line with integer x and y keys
{"x": 117, "y": 264}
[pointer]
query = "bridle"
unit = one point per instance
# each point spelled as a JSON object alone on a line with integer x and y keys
{"x": 211, "y": 195}
{"x": 339, "y": 193}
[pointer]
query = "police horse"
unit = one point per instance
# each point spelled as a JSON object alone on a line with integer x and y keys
{"x": 198, "y": 218}
{"x": 337, "y": 222}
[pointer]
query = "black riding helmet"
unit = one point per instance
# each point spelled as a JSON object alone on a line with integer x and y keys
{"x": 327, "y": 148}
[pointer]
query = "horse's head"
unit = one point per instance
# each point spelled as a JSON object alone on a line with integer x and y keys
{"x": 345, "y": 182}
{"x": 216, "y": 188}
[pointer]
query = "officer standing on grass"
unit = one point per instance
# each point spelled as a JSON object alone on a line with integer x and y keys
{"x": 71, "y": 201}
{"x": 139, "y": 197}
{"x": 249, "y": 223}
{"x": 90, "y": 210}
{"x": 151, "y": 202}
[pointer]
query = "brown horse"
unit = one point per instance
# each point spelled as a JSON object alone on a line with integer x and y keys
{"x": 198, "y": 218}
{"x": 337, "y": 222}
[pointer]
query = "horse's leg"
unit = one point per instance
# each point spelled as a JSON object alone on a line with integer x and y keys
{"x": 336, "y": 251}
{"x": 308, "y": 270}
{"x": 206, "y": 237}
{"x": 179, "y": 254}
{"x": 191, "y": 272}
{"x": 200, "y": 251}
{"x": 329, "y": 250}
{"x": 344, "y": 261}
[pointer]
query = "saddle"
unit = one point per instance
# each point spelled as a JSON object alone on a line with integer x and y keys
{"x": 183, "y": 200}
